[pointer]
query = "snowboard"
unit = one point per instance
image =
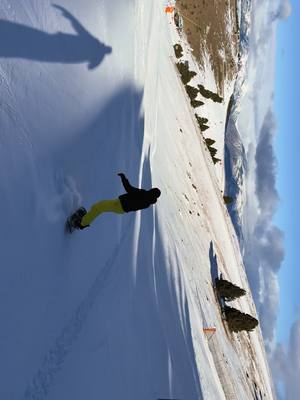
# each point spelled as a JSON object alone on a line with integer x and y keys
{"x": 74, "y": 219}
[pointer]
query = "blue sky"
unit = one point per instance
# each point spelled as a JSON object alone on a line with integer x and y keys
{"x": 287, "y": 145}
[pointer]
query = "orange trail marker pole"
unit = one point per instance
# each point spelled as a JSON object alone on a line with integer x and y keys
{"x": 209, "y": 332}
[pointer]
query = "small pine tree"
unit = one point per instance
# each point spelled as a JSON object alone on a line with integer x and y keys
{"x": 191, "y": 91}
{"x": 209, "y": 142}
{"x": 178, "y": 50}
{"x": 210, "y": 95}
{"x": 238, "y": 321}
{"x": 202, "y": 123}
{"x": 227, "y": 199}
{"x": 204, "y": 127}
{"x": 201, "y": 120}
{"x": 196, "y": 103}
{"x": 185, "y": 74}
{"x": 216, "y": 160}
{"x": 228, "y": 290}
{"x": 212, "y": 151}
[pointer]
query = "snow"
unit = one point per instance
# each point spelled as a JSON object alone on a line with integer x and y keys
{"x": 117, "y": 310}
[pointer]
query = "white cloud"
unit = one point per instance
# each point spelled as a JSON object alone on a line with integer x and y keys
{"x": 268, "y": 307}
{"x": 266, "y": 166}
{"x": 284, "y": 10}
{"x": 285, "y": 362}
{"x": 264, "y": 249}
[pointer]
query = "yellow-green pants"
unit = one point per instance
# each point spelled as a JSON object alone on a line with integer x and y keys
{"x": 102, "y": 207}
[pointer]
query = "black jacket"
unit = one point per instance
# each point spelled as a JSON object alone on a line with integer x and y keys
{"x": 135, "y": 199}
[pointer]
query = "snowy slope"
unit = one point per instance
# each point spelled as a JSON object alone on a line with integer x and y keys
{"x": 118, "y": 310}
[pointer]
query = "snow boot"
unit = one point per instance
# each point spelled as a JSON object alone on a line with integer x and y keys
{"x": 74, "y": 221}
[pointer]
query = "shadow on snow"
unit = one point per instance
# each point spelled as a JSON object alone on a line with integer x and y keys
{"x": 155, "y": 343}
{"x": 214, "y": 269}
{"x": 114, "y": 137}
{"x": 20, "y": 41}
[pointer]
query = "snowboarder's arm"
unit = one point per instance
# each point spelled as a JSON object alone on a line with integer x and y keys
{"x": 75, "y": 23}
{"x": 126, "y": 184}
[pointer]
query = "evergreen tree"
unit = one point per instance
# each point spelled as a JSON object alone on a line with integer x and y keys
{"x": 178, "y": 50}
{"x": 238, "y": 321}
{"x": 228, "y": 199}
{"x": 185, "y": 73}
{"x": 228, "y": 290}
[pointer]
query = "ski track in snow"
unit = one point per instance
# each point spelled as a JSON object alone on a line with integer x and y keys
{"x": 55, "y": 358}
{"x": 69, "y": 196}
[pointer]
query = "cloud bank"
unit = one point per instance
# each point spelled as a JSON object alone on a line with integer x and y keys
{"x": 265, "y": 247}
{"x": 264, "y": 241}
{"x": 285, "y": 363}
{"x": 264, "y": 250}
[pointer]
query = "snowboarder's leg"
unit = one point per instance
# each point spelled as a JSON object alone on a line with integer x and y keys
{"x": 102, "y": 207}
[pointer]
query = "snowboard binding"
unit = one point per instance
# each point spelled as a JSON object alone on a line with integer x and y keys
{"x": 74, "y": 221}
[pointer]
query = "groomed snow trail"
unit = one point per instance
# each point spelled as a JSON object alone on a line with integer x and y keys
{"x": 115, "y": 311}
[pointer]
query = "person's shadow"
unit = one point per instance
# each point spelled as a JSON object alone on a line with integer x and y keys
{"x": 214, "y": 269}
{"x": 20, "y": 41}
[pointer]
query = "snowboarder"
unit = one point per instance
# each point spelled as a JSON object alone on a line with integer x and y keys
{"x": 135, "y": 199}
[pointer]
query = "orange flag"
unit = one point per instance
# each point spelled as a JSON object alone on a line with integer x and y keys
{"x": 169, "y": 9}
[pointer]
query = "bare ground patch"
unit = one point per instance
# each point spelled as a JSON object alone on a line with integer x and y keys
{"x": 211, "y": 28}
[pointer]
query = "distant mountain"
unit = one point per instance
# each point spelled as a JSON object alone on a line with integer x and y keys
{"x": 235, "y": 157}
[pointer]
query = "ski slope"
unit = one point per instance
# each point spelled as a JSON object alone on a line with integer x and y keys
{"x": 115, "y": 311}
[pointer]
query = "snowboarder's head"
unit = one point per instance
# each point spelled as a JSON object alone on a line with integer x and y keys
{"x": 154, "y": 195}
{"x": 98, "y": 52}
